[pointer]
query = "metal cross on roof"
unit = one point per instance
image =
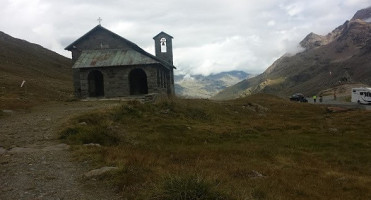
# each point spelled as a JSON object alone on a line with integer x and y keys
{"x": 99, "y": 20}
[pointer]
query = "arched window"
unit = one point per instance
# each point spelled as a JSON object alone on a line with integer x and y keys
{"x": 163, "y": 45}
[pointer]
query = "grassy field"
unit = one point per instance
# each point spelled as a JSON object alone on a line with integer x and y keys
{"x": 260, "y": 147}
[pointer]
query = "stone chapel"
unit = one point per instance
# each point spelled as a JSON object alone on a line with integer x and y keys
{"x": 108, "y": 65}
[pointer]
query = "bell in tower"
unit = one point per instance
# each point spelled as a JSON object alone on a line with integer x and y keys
{"x": 164, "y": 47}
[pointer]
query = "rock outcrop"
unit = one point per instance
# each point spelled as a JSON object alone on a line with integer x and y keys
{"x": 364, "y": 14}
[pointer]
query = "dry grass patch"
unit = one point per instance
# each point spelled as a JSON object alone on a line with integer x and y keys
{"x": 261, "y": 147}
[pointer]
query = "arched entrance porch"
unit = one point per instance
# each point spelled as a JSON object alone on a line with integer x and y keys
{"x": 96, "y": 86}
{"x": 138, "y": 82}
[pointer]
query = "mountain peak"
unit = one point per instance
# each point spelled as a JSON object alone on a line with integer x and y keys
{"x": 313, "y": 40}
{"x": 364, "y": 14}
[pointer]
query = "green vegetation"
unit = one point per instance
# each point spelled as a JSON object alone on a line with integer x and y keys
{"x": 260, "y": 147}
{"x": 187, "y": 188}
{"x": 94, "y": 129}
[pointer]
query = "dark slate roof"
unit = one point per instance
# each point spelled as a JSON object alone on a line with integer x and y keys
{"x": 112, "y": 57}
{"x": 161, "y": 34}
{"x": 70, "y": 47}
{"x": 131, "y": 44}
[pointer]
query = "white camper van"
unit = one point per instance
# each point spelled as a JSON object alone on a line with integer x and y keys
{"x": 361, "y": 95}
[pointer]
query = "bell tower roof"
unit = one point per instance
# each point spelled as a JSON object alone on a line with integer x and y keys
{"x": 162, "y": 34}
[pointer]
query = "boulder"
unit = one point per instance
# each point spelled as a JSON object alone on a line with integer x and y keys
{"x": 98, "y": 172}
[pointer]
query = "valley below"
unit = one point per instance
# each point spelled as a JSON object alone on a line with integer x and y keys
{"x": 200, "y": 86}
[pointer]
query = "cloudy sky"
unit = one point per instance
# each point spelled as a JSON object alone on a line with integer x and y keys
{"x": 210, "y": 36}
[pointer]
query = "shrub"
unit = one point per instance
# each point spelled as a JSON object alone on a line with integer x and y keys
{"x": 188, "y": 188}
{"x": 66, "y": 133}
{"x": 127, "y": 110}
{"x": 197, "y": 114}
{"x": 97, "y": 134}
{"x": 259, "y": 194}
{"x": 93, "y": 118}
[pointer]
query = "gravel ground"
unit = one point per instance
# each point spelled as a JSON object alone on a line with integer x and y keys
{"x": 33, "y": 162}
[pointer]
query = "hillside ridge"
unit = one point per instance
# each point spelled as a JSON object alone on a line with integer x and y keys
{"x": 47, "y": 75}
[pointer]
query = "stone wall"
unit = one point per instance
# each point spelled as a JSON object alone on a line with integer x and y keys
{"x": 76, "y": 82}
{"x": 116, "y": 80}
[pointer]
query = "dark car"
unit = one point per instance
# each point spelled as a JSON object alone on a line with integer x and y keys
{"x": 298, "y": 97}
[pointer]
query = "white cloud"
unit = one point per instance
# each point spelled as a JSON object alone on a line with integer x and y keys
{"x": 356, "y": 2}
{"x": 271, "y": 23}
{"x": 210, "y": 36}
{"x": 47, "y": 33}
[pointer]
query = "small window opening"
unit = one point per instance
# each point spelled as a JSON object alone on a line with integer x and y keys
{"x": 158, "y": 77}
{"x": 163, "y": 79}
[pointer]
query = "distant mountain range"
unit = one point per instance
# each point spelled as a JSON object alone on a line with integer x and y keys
{"x": 340, "y": 57}
{"x": 199, "y": 86}
{"x": 47, "y": 75}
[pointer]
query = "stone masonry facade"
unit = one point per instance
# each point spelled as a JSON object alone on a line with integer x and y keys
{"x": 117, "y": 80}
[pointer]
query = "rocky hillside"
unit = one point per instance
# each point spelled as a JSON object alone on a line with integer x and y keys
{"x": 340, "y": 57}
{"x": 364, "y": 14}
{"x": 47, "y": 74}
{"x": 199, "y": 86}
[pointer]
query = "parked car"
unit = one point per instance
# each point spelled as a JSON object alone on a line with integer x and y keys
{"x": 298, "y": 97}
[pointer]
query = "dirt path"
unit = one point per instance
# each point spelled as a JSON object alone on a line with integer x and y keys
{"x": 33, "y": 162}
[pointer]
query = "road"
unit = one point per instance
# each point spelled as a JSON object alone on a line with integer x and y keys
{"x": 340, "y": 102}
{"x": 34, "y": 164}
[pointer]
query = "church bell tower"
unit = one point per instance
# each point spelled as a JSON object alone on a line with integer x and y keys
{"x": 164, "y": 47}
